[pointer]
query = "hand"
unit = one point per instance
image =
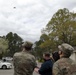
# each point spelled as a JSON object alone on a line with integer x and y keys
{"x": 37, "y": 67}
{"x": 36, "y": 70}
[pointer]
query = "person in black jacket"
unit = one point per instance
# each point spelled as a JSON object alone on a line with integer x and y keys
{"x": 46, "y": 67}
{"x": 55, "y": 56}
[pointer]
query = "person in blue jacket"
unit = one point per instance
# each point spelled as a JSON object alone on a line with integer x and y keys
{"x": 46, "y": 67}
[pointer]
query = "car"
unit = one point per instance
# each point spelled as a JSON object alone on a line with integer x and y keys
{"x": 7, "y": 58}
{"x": 5, "y": 65}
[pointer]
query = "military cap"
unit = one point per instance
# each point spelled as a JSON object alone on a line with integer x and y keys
{"x": 27, "y": 44}
{"x": 66, "y": 48}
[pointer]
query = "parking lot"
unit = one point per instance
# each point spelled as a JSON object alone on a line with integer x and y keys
{"x": 11, "y": 71}
{"x": 6, "y": 72}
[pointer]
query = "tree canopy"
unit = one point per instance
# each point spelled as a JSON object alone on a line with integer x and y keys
{"x": 62, "y": 26}
{"x": 14, "y": 43}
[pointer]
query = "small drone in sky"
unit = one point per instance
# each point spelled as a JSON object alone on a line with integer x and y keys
{"x": 14, "y": 7}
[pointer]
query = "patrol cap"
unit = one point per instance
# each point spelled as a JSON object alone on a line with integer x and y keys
{"x": 66, "y": 48}
{"x": 27, "y": 44}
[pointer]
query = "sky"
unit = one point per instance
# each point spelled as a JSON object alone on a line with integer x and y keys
{"x": 28, "y": 17}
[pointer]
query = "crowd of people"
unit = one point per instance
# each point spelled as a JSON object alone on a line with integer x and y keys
{"x": 58, "y": 63}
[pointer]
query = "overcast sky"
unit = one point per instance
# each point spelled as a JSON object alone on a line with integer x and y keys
{"x": 28, "y": 17}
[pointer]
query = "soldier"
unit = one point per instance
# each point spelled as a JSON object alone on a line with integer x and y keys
{"x": 64, "y": 66}
{"x": 24, "y": 62}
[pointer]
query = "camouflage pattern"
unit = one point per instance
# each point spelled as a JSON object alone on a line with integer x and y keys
{"x": 66, "y": 48}
{"x": 24, "y": 63}
{"x": 64, "y": 66}
{"x": 27, "y": 44}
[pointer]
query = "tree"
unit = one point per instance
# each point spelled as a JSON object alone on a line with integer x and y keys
{"x": 37, "y": 51}
{"x": 3, "y": 46}
{"x": 14, "y": 42}
{"x": 62, "y": 27}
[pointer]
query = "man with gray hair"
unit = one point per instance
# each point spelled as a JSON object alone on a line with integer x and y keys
{"x": 65, "y": 66}
{"x": 24, "y": 62}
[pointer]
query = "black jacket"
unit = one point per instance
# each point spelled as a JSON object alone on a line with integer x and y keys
{"x": 46, "y": 68}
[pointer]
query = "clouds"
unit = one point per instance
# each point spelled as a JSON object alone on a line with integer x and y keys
{"x": 28, "y": 17}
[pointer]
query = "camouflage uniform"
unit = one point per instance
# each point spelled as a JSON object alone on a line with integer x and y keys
{"x": 65, "y": 66}
{"x": 24, "y": 62}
